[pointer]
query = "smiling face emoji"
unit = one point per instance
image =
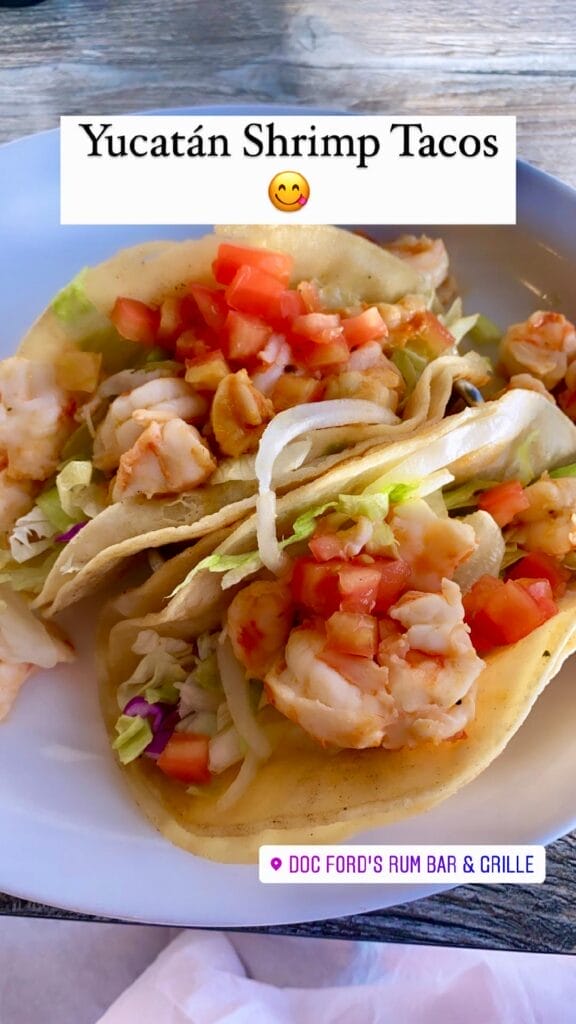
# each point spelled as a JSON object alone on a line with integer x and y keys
{"x": 289, "y": 191}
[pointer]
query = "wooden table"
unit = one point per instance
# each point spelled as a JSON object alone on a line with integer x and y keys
{"x": 432, "y": 56}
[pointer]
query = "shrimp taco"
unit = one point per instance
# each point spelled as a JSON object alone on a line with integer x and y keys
{"x": 361, "y": 654}
{"x": 130, "y": 416}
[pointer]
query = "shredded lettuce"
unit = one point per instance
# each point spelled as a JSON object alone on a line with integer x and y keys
{"x": 236, "y": 567}
{"x": 305, "y": 524}
{"x": 485, "y": 331}
{"x": 561, "y": 471}
{"x": 458, "y": 324}
{"x": 401, "y": 491}
{"x": 29, "y": 577}
{"x": 240, "y": 572}
{"x": 374, "y": 503}
{"x": 523, "y": 457}
{"x": 70, "y": 482}
{"x": 206, "y": 673}
{"x": 411, "y": 365}
{"x": 512, "y": 554}
{"x": 72, "y": 303}
{"x": 156, "y": 355}
{"x": 202, "y": 722}
{"x": 31, "y": 535}
{"x": 51, "y": 506}
{"x": 165, "y": 693}
{"x": 464, "y": 496}
{"x": 134, "y": 735}
{"x": 372, "y": 506}
{"x": 161, "y": 664}
{"x": 217, "y": 563}
{"x": 79, "y": 445}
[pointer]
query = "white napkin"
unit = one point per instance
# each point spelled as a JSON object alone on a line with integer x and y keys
{"x": 204, "y": 978}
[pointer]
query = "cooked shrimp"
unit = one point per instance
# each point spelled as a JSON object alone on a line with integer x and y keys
{"x": 549, "y": 524}
{"x": 423, "y": 687}
{"x": 327, "y": 705}
{"x": 526, "y": 382}
{"x": 12, "y": 678}
{"x": 35, "y": 418}
{"x": 433, "y": 547}
{"x": 427, "y": 256}
{"x": 432, "y": 667}
{"x": 258, "y": 623}
{"x": 379, "y": 385}
{"x": 239, "y": 414}
{"x": 396, "y": 314}
{"x": 167, "y": 458}
{"x": 542, "y": 346}
{"x": 158, "y": 400}
{"x": 16, "y": 498}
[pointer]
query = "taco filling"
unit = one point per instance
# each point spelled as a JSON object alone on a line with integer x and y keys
{"x": 374, "y": 635}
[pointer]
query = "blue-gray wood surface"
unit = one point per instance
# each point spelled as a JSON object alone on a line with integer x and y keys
{"x": 429, "y": 56}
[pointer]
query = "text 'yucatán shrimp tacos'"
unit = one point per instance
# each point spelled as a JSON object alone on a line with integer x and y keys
{"x": 130, "y": 416}
{"x": 370, "y": 656}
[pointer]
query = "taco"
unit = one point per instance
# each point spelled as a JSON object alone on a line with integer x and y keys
{"x": 130, "y": 415}
{"x": 364, "y": 655}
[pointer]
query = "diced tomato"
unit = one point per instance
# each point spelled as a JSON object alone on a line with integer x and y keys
{"x": 315, "y": 586}
{"x": 349, "y": 586}
{"x": 326, "y": 546}
{"x": 185, "y": 757}
{"x": 394, "y": 578}
{"x": 176, "y": 314}
{"x": 479, "y": 594}
{"x": 190, "y": 346}
{"x": 312, "y": 356}
{"x": 362, "y": 672}
{"x": 537, "y": 565}
{"x": 504, "y": 501}
{"x": 310, "y": 296}
{"x": 247, "y": 335}
{"x": 359, "y": 585}
{"x": 352, "y": 633}
{"x": 136, "y": 321}
{"x": 321, "y": 328}
{"x": 541, "y": 592}
{"x": 255, "y": 292}
{"x": 501, "y": 612}
{"x": 290, "y": 390}
{"x": 291, "y": 305}
{"x": 425, "y": 333}
{"x": 212, "y": 305}
{"x": 205, "y": 372}
{"x": 231, "y": 257}
{"x": 367, "y": 326}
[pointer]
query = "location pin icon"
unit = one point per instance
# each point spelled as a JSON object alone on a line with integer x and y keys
{"x": 276, "y": 863}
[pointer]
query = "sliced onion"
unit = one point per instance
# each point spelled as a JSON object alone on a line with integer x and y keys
{"x": 240, "y": 784}
{"x": 195, "y": 698}
{"x": 244, "y": 467}
{"x": 199, "y": 722}
{"x": 285, "y": 427}
{"x": 488, "y": 556}
{"x": 276, "y": 358}
{"x": 224, "y": 750}
{"x": 237, "y": 693}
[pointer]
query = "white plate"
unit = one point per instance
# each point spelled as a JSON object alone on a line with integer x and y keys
{"x": 69, "y": 833}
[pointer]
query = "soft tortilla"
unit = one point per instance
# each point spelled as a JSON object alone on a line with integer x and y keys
{"x": 351, "y": 265}
{"x": 304, "y": 794}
